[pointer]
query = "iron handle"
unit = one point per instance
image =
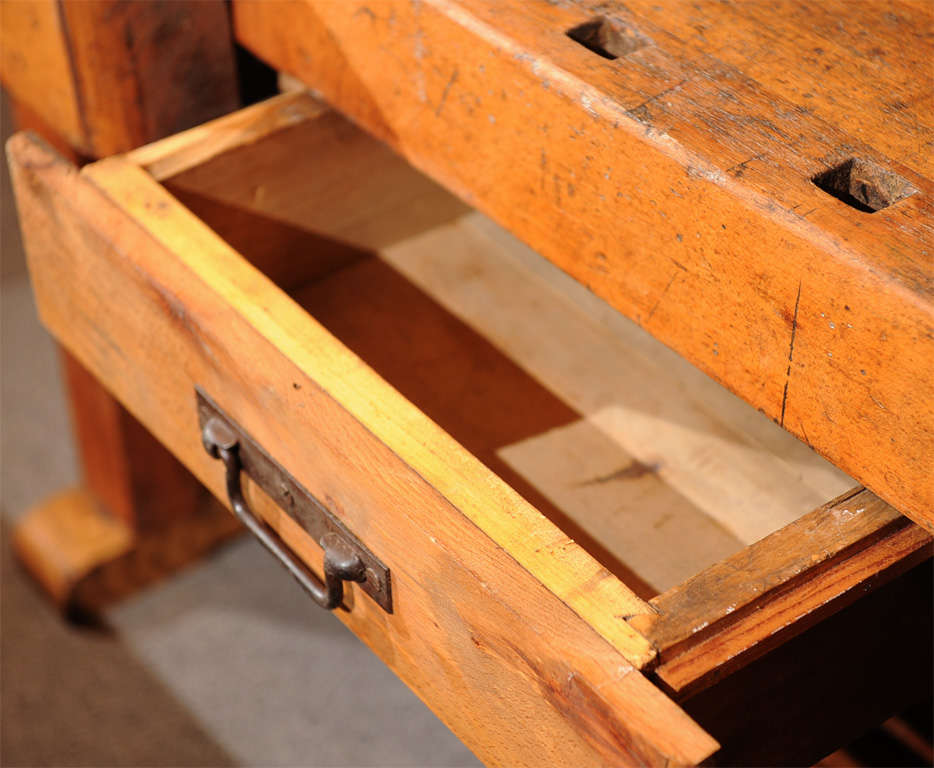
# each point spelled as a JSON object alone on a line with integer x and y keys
{"x": 341, "y": 562}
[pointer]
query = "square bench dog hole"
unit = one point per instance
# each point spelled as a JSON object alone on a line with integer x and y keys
{"x": 864, "y": 185}
{"x": 606, "y": 38}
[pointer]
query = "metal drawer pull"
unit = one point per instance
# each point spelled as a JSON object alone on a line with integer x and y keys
{"x": 345, "y": 558}
{"x": 341, "y": 563}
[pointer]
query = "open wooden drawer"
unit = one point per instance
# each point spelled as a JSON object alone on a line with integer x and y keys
{"x": 580, "y": 529}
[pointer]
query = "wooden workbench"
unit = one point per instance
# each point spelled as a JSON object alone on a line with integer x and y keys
{"x": 592, "y": 554}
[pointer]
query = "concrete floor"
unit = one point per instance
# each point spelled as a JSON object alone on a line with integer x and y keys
{"x": 226, "y": 664}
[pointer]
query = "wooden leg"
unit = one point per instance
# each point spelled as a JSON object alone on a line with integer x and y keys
{"x": 139, "y": 514}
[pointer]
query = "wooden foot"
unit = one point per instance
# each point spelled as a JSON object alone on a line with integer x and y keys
{"x": 64, "y": 539}
{"x": 86, "y": 558}
{"x": 139, "y": 516}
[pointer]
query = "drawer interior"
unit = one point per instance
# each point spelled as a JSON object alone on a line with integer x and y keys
{"x": 651, "y": 466}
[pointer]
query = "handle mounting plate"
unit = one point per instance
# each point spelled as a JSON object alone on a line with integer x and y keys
{"x": 297, "y": 502}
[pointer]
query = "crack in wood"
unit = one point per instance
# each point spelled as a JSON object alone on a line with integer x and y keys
{"x": 791, "y": 352}
{"x": 447, "y": 89}
{"x": 661, "y": 296}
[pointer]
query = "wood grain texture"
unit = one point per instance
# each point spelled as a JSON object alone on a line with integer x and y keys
{"x": 527, "y": 536}
{"x": 740, "y": 608}
{"x": 27, "y": 119}
{"x": 717, "y": 457}
{"x": 321, "y": 195}
{"x": 148, "y": 70}
{"x": 95, "y": 78}
{"x": 462, "y": 382}
{"x": 675, "y": 181}
{"x": 36, "y": 68}
{"x": 139, "y": 515}
{"x": 795, "y": 609}
{"x": 854, "y": 67}
{"x": 100, "y": 427}
{"x": 198, "y": 145}
{"x": 470, "y": 616}
{"x": 127, "y": 471}
{"x": 110, "y": 76}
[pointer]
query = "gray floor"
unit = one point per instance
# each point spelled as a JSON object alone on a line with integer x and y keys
{"x": 226, "y": 664}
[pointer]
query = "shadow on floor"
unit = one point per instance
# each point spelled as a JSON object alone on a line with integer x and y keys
{"x": 78, "y": 697}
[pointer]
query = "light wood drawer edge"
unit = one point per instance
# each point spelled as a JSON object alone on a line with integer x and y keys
{"x": 153, "y": 303}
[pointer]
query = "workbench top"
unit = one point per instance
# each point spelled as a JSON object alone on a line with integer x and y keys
{"x": 748, "y": 181}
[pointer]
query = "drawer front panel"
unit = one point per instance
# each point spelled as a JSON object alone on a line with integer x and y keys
{"x": 155, "y": 304}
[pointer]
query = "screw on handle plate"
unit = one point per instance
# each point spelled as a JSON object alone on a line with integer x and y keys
{"x": 341, "y": 562}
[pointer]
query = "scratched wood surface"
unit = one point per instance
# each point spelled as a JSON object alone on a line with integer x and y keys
{"x": 674, "y": 174}
{"x": 471, "y": 614}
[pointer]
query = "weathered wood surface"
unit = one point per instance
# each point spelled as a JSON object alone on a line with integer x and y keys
{"x": 793, "y": 610}
{"x": 139, "y": 514}
{"x": 319, "y": 196}
{"x": 36, "y": 67}
{"x": 197, "y": 146}
{"x": 130, "y": 473}
{"x": 470, "y": 559}
{"x": 675, "y": 181}
{"x": 742, "y": 607}
{"x": 95, "y": 77}
{"x": 508, "y": 301}
{"x": 856, "y": 518}
{"x": 296, "y": 207}
{"x": 114, "y": 209}
{"x": 341, "y": 204}
{"x": 109, "y": 76}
